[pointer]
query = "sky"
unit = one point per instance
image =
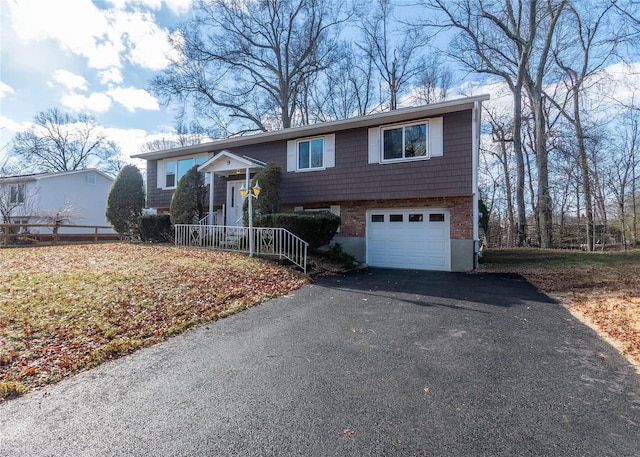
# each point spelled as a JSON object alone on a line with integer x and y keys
{"x": 83, "y": 56}
{"x": 99, "y": 56}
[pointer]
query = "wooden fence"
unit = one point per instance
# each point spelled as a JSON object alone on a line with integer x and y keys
{"x": 22, "y": 234}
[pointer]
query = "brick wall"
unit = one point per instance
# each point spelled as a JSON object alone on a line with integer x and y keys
{"x": 353, "y": 213}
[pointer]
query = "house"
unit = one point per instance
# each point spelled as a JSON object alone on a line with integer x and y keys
{"x": 77, "y": 197}
{"x": 403, "y": 182}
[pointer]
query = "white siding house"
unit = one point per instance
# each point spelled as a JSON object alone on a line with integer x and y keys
{"x": 79, "y": 197}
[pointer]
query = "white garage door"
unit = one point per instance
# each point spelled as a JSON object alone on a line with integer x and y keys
{"x": 415, "y": 238}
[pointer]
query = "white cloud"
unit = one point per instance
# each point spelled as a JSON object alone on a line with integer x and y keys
{"x": 105, "y": 37}
{"x": 5, "y": 89}
{"x": 95, "y": 102}
{"x": 70, "y": 80}
{"x": 132, "y": 98}
{"x": 112, "y": 75}
{"x": 13, "y": 126}
{"x": 176, "y": 6}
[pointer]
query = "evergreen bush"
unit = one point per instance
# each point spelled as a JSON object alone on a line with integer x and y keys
{"x": 317, "y": 229}
{"x": 155, "y": 229}
{"x": 188, "y": 203}
{"x": 126, "y": 201}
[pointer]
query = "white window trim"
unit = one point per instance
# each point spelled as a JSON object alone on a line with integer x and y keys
{"x": 328, "y": 153}
{"x": 434, "y": 141}
{"x": 404, "y": 126}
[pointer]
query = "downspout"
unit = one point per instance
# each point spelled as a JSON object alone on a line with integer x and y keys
{"x": 475, "y": 144}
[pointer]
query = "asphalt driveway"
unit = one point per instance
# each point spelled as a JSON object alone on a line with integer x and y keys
{"x": 380, "y": 363}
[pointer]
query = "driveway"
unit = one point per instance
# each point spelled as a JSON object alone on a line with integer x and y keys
{"x": 379, "y": 363}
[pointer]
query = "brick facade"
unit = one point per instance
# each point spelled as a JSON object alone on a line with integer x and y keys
{"x": 352, "y": 213}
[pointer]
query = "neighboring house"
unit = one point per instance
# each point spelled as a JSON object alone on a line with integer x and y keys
{"x": 403, "y": 182}
{"x": 77, "y": 197}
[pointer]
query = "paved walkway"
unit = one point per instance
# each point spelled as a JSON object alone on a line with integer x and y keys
{"x": 381, "y": 363}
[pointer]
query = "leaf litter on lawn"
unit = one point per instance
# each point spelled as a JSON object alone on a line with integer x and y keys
{"x": 64, "y": 309}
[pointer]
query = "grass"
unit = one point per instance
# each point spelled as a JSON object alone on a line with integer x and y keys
{"x": 64, "y": 309}
{"x": 600, "y": 288}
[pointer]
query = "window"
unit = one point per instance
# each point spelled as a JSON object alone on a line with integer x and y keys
{"x": 91, "y": 179}
{"x": 418, "y": 140}
{"x": 17, "y": 193}
{"x": 395, "y": 218}
{"x": 176, "y": 169}
{"x": 415, "y": 218}
{"x": 438, "y": 217}
{"x": 377, "y": 218}
{"x": 311, "y": 154}
{"x": 405, "y": 142}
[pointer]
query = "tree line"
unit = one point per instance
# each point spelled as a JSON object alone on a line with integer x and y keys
{"x": 559, "y": 163}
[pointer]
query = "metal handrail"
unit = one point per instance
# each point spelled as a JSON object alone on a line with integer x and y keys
{"x": 268, "y": 241}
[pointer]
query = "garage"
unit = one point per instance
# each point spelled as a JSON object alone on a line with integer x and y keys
{"x": 413, "y": 238}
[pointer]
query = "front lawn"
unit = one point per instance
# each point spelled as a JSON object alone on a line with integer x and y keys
{"x": 64, "y": 309}
{"x": 600, "y": 288}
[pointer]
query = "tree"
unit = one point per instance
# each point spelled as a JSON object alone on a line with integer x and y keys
{"x": 125, "y": 201}
{"x": 269, "y": 178}
{"x": 189, "y": 201}
{"x": 58, "y": 141}
{"x": 242, "y": 65}
{"x": 510, "y": 40}
{"x": 397, "y": 63}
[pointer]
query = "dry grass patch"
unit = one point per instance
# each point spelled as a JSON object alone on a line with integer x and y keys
{"x": 600, "y": 288}
{"x": 68, "y": 308}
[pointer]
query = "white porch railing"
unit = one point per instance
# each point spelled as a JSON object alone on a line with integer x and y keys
{"x": 267, "y": 241}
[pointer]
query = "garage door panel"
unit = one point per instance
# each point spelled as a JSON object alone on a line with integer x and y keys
{"x": 415, "y": 238}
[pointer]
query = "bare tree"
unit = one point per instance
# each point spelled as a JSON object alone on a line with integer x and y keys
{"x": 241, "y": 65}
{"x": 396, "y": 59}
{"x": 58, "y": 141}
{"x": 587, "y": 45}
{"x": 435, "y": 81}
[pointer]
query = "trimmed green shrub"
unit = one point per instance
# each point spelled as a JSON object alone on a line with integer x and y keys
{"x": 317, "y": 229}
{"x": 188, "y": 202}
{"x": 269, "y": 178}
{"x": 125, "y": 201}
{"x": 155, "y": 229}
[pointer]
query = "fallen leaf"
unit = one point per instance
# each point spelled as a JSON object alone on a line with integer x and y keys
{"x": 348, "y": 432}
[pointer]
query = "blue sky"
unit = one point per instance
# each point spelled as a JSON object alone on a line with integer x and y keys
{"x": 98, "y": 57}
{"x": 86, "y": 56}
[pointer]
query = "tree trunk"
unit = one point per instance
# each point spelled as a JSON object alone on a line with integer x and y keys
{"x": 517, "y": 149}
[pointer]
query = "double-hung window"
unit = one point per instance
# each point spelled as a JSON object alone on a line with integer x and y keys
{"x": 404, "y": 142}
{"x": 17, "y": 194}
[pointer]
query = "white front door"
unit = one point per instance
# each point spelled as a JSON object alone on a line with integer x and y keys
{"x": 234, "y": 204}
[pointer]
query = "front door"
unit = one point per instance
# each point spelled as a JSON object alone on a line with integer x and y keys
{"x": 234, "y": 204}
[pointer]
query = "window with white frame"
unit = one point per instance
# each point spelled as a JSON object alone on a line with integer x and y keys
{"x": 174, "y": 169}
{"x": 404, "y": 142}
{"x": 91, "y": 179}
{"x": 308, "y": 154}
{"x": 311, "y": 154}
{"x": 17, "y": 194}
{"x": 418, "y": 140}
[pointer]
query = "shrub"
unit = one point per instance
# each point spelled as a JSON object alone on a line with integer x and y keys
{"x": 125, "y": 201}
{"x": 317, "y": 229}
{"x": 155, "y": 229}
{"x": 188, "y": 202}
{"x": 269, "y": 178}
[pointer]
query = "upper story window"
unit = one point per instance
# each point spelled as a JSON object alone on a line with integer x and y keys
{"x": 308, "y": 154}
{"x": 311, "y": 154}
{"x": 418, "y": 140}
{"x": 175, "y": 169}
{"x": 91, "y": 179}
{"x": 404, "y": 142}
{"x": 17, "y": 194}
